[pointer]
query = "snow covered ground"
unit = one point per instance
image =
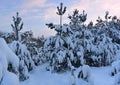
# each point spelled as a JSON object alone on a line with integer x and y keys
{"x": 42, "y": 77}
{"x": 101, "y": 76}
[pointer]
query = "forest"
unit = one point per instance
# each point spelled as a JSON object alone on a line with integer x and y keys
{"x": 75, "y": 50}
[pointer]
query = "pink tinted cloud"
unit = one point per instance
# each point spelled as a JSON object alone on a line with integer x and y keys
{"x": 44, "y": 31}
{"x": 34, "y": 3}
{"x": 111, "y": 5}
{"x": 50, "y": 13}
{"x": 96, "y": 8}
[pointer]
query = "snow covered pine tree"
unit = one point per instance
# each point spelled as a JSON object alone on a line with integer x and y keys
{"x": 26, "y": 64}
{"x": 61, "y": 49}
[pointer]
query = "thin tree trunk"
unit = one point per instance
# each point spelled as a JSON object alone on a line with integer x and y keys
{"x": 60, "y": 21}
{"x": 16, "y": 34}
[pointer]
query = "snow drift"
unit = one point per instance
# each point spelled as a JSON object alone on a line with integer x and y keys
{"x": 7, "y": 56}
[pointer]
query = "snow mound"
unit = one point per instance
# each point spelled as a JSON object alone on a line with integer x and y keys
{"x": 115, "y": 67}
{"x": 10, "y": 79}
{"x": 83, "y": 73}
{"x": 7, "y": 56}
{"x": 6, "y": 51}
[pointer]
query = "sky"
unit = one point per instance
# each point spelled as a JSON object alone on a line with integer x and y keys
{"x": 36, "y": 13}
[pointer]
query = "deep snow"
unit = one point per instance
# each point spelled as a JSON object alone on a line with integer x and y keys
{"x": 7, "y": 56}
{"x": 100, "y": 75}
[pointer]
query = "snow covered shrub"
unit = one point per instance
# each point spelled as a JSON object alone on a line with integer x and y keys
{"x": 82, "y": 38}
{"x": 37, "y": 54}
{"x": 101, "y": 51}
{"x": 34, "y": 46}
{"x": 56, "y": 53}
{"x": 78, "y": 51}
{"x": 8, "y": 57}
{"x": 93, "y": 45}
{"x": 58, "y": 61}
{"x": 84, "y": 73}
{"x": 115, "y": 67}
{"x": 101, "y": 47}
{"x": 33, "y": 52}
{"x": 26, "y": 64}
{"x": 67, "y": 45}
{"x": 19, "y": 47}
{"x": 42, "y": 56}
{"x": 60, "y": 48}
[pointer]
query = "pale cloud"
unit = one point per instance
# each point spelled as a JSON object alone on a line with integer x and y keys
{"x": 96, "y": 8}
{"x": 112, "y": 6}
{"x": 44, "y": 31}
{"x": 34, "y": 6}
{"x": 23, "y": 11}
{"x": 35, "y": 3}
{"x": 47, "y": 32}
{"x": 50, "y": 13}
{"x": 28, "y": 11}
